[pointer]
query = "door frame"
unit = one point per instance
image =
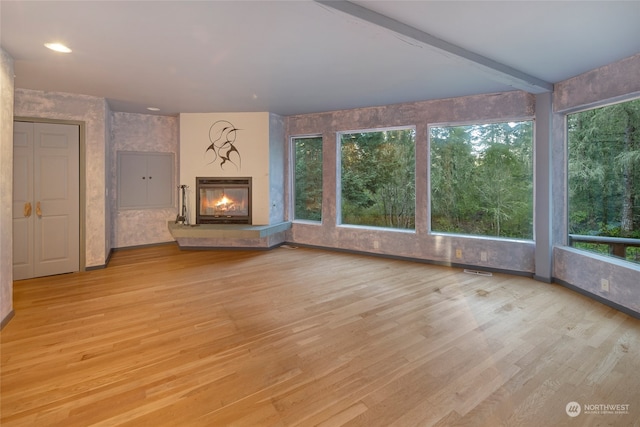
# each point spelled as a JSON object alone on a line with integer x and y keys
{"x": 82, "y": 177}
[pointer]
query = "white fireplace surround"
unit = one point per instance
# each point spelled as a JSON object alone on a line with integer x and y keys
{"x": 258, "y": 152}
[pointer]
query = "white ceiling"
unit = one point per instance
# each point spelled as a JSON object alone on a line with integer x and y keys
{"x": 294, "y": 57}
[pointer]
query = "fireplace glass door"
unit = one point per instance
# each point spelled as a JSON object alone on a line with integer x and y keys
{"x": 223, "y": 201}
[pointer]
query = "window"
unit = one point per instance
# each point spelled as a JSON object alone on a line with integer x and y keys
{"x": 604, "y": 179}
{"x": 481, "y": 179}
{"x": 377, "y": 181}
{"x": 307, "y": 165}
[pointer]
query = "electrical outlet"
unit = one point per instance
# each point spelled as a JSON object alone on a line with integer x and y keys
{"x": 376, "y": 244}
{"x": 459, "y": 253}
{"x": 604, "y": 285}
{"x": 483, "y": 256}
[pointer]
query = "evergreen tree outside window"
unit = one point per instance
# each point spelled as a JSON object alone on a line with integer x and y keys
{"x": 604, "y": 179}
{"x": 377, "y": 178}
{"x": 481, "y": 179}
{"x": 307, "y": 165}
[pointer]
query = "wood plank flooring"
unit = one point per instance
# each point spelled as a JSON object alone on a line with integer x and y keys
{"x": 305, "y": 337}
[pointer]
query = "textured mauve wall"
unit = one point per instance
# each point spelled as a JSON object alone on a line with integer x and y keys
{"x": 605, "y": 83}
{"x": 93, "y": 112}
{"x": 6, "y": 184}
{"x": 142, "y": 132}
{"x": 419, "y": 244}
{"x": 277, "y": 158}
{"x": 585, "y": 271}
{"x": 581, "y": 269}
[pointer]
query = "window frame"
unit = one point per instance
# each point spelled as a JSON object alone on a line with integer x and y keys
{"x": 292, "y": 178}
{"x": 568, "y": 240}
{"x": 531, "y": 119}
{"x": 338, "y": 190}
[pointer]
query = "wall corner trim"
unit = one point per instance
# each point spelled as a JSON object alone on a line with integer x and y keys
{"x": 543, "y": 279}
{"x": 6, "y": 319}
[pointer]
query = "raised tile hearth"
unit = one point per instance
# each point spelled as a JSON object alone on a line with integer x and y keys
{"x": 204, "y": 236}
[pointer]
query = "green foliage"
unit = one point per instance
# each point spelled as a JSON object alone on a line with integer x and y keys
{"x": 598, "y": 248}
{"x": 378, "y": 178}
{"x": 482, "y": 179}
{"x": 308, "y": 178}
{"x": 633, "y": 254}
{"x": 604, "y": 171}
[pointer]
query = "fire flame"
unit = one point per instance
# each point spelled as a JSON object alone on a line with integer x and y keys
{"x": 223, "y": 202}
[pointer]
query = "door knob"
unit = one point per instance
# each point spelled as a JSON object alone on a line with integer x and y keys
{"x": 38, "y": 209}
{"x": 27, "y": 209}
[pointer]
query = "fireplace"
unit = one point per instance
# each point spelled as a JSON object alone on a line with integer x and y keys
{"x": 223, "y": 200}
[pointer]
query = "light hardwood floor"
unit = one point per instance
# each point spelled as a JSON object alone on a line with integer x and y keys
{"x": 306, "y": 337}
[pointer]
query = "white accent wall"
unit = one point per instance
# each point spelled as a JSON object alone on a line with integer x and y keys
{"x": 256, "y": 143}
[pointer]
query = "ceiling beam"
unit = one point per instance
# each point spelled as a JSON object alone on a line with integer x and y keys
{"x": 495, "y": 70}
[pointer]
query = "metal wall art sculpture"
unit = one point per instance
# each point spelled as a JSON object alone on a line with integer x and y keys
{"x": 222, "y": 135}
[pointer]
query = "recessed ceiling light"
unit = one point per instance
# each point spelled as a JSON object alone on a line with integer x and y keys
{"x": 153, "y": 109}
{"x": 58, "y": 47}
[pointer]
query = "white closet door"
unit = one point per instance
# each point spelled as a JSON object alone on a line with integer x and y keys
{"x": 54, "y": 220}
